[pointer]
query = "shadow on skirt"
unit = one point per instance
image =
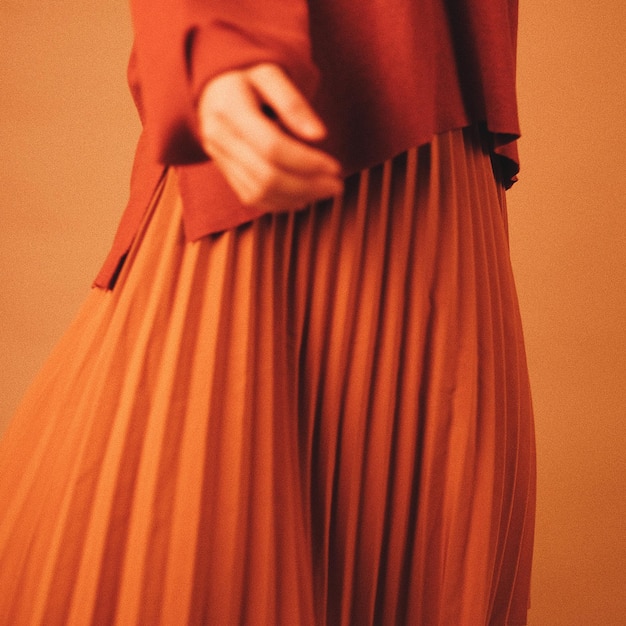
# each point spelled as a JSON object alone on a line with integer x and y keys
{"x": 319, "y": 418}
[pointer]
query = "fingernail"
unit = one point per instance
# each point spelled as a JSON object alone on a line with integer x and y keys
{"x": 313, "y": 129}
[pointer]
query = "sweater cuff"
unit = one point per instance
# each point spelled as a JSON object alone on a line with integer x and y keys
{"x": 223, "y": 46}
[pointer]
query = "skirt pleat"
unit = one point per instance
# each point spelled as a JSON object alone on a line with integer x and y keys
{"x": 318, "y": 418}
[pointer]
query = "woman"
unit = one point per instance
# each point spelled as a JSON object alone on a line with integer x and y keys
{"x": 299, "y": 394}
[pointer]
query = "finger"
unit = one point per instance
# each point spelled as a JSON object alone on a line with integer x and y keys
{"x": 282, "y": 151}
{"x": 265, "y": 165}
{"x": 248, "y": 124}
{"x": 233, "y": 111}
{"x": 266, "y": 149}
{"x": 276, "y": 89}
{"x": 260, "y": 184}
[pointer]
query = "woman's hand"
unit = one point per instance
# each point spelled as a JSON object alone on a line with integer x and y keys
{"x": 255, "y": 125}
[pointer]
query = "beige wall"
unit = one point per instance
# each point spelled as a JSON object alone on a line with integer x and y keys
{"x": 67, "y": 134}
{"x": 568, "y": 231}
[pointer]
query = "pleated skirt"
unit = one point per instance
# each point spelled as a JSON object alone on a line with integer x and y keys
{"x": 318, "y": 418}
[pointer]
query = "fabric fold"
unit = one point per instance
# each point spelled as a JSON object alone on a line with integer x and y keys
{"x": 321, "y": 417}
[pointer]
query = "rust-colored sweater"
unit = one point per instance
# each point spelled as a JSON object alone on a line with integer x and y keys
{"x": 384, "y": 75}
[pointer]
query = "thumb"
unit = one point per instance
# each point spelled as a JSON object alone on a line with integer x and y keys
{"x": 276, "y": 91}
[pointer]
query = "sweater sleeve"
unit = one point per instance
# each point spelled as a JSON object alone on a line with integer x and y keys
{"x": 182, "y": 44}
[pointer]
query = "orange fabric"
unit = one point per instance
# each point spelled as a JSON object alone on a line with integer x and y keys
{"x": 319, "y": 418}
{"x": 384, "y": 77}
